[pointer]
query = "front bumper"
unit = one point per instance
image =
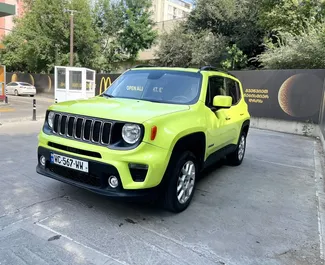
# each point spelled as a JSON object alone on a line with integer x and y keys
{"x": 96, "y": 180}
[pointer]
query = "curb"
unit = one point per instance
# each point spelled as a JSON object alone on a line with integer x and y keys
{"x": 3, "y": 105}
{"x": 16, "y": 120}
{"x": 320, "y": 195}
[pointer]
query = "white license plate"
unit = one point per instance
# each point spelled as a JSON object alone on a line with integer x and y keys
{"x": 69, "y": 162}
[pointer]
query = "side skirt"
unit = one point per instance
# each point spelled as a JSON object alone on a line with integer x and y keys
{"x": 219, "y": 154}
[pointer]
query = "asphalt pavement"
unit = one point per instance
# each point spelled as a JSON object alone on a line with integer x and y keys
{"x": 269, "y": 210}
{"x": 20, "y": 108}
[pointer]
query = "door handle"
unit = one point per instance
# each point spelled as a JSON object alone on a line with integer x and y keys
{"x": 228, "y": 118}
{"x": 241, "y": 114}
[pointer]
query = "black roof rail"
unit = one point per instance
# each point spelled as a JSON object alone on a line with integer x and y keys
{"x": 142, "y": 66}
{"x": 213, "y": 68}
{"x": 209, "y": 68}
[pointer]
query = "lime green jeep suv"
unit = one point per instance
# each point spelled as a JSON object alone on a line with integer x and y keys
{"x": 148, "y": 135}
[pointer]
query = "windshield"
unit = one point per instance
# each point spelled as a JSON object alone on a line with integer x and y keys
{"x": 164, "y": 86}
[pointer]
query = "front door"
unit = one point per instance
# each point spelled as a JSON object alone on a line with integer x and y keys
{"x": 219, "y": 120}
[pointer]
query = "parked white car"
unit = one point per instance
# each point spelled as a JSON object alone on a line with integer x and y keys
{"x": 20, "y": 88}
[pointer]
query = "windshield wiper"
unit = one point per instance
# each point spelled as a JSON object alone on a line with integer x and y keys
{"x": 151, "y": 100}
{"x": 107, "y": 95}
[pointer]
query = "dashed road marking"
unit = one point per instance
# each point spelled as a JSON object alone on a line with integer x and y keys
{"x": 7, "y": 109}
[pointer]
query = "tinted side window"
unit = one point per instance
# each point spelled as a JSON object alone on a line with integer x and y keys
{"x": 232, "y": 88}
{"x": 216, "y": 88}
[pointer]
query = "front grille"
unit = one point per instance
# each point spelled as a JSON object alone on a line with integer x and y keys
{"x": 82, "y": 128}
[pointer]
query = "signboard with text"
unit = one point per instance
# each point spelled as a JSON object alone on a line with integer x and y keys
{"x": 283, "y": 94}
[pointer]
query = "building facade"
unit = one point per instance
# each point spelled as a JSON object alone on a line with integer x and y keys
{"x": 164, "y": 10}
{"x": 166, "y": 14}
{"x": 7, "y": 23}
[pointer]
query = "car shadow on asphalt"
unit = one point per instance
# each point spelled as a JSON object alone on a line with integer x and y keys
{"x": 130, "y": 210}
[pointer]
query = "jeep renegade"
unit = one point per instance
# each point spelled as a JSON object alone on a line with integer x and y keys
{"x": 148, "y": 135}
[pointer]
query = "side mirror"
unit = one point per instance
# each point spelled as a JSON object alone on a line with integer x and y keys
{"x": 222, "y": 101}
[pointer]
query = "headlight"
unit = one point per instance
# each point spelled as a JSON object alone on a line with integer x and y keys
{"x": 131, "y": 133}
{"x": 50, "y": 119}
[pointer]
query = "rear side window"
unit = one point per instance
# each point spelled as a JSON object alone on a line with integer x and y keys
{"x": 232, "y": 90}
{"x": 25, "y": 84}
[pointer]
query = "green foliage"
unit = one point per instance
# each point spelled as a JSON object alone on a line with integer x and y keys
{"x": 291, "y": 16}
{"x": 137, "y": 33}
{"x": 124, "y": 28}
{"x": 41, "y": 38}
{"x": 113, "y": 31}
{"x": 306, "y": 50}
{"x": 235, "y": 19}
{"x": 236, "y": 58}
{"x": 231, "y": 22}
{"x": 267, "y": 33}
{"x": 185, "y": 48}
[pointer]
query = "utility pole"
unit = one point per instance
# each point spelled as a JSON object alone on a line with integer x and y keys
{"x": 72, "y": 11}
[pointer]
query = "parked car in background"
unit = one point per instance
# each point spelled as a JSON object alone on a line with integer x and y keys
{"x": 20, "y": 88}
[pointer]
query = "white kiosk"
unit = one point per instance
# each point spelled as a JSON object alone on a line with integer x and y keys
{"x": 72, "y": 83}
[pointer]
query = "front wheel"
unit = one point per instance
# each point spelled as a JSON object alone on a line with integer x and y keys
{"x": 16, "y": 92}
{"x": 236, "y": 158}
{"x": 182, "y": 179}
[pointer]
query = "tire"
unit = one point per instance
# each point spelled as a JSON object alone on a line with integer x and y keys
{"x": 237, "y": 157}
{"x": 183, "y": 162}
{"x": 16, "y": 93}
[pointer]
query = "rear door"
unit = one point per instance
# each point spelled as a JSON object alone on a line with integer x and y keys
{"x": 232, "y": 89}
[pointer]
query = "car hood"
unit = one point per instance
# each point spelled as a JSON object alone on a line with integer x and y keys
{"x": 129, "y": 110}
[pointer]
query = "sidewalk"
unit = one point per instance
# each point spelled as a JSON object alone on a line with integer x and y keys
{"x": 21, "y": 109}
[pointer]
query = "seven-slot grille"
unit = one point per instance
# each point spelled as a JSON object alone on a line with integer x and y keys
{"x": 84, "y": 129}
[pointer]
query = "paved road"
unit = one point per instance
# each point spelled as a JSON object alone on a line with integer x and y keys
{"x": 21, "y": 108}
{"x": 263, "y": 212}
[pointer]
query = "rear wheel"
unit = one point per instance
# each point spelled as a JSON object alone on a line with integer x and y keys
{"x": 16, "y": 92}
{"x": 182, "y": 174}
{"x": 236, "y": 158}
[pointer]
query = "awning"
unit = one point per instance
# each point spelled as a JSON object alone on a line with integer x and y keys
{"x": 7, "y": 10}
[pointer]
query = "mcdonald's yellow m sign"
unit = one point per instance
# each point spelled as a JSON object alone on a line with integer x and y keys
{"x": 106, "y": 82}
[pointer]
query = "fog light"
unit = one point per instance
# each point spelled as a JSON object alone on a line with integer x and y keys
{"x": 42, "y": 160}
{"x": 113, "y": 182}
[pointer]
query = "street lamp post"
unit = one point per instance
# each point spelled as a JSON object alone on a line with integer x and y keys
{"x": 72, "y": 11}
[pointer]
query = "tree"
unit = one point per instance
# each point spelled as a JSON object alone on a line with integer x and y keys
{"x": 41, "y": 38}
{"x": 292, "y": 16}
{"x": 296, "y": 51}
{"x": 186, "y": 48}
{"x": 231, "y": 23}
{"x": 235, "y": 19}
{"x": 137, "y": 33}
{"x": 124, "y": 28}
{"x": 236, "y": 58}
{"x": 113, "y": 31}
{"x": 108, "y": 22}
